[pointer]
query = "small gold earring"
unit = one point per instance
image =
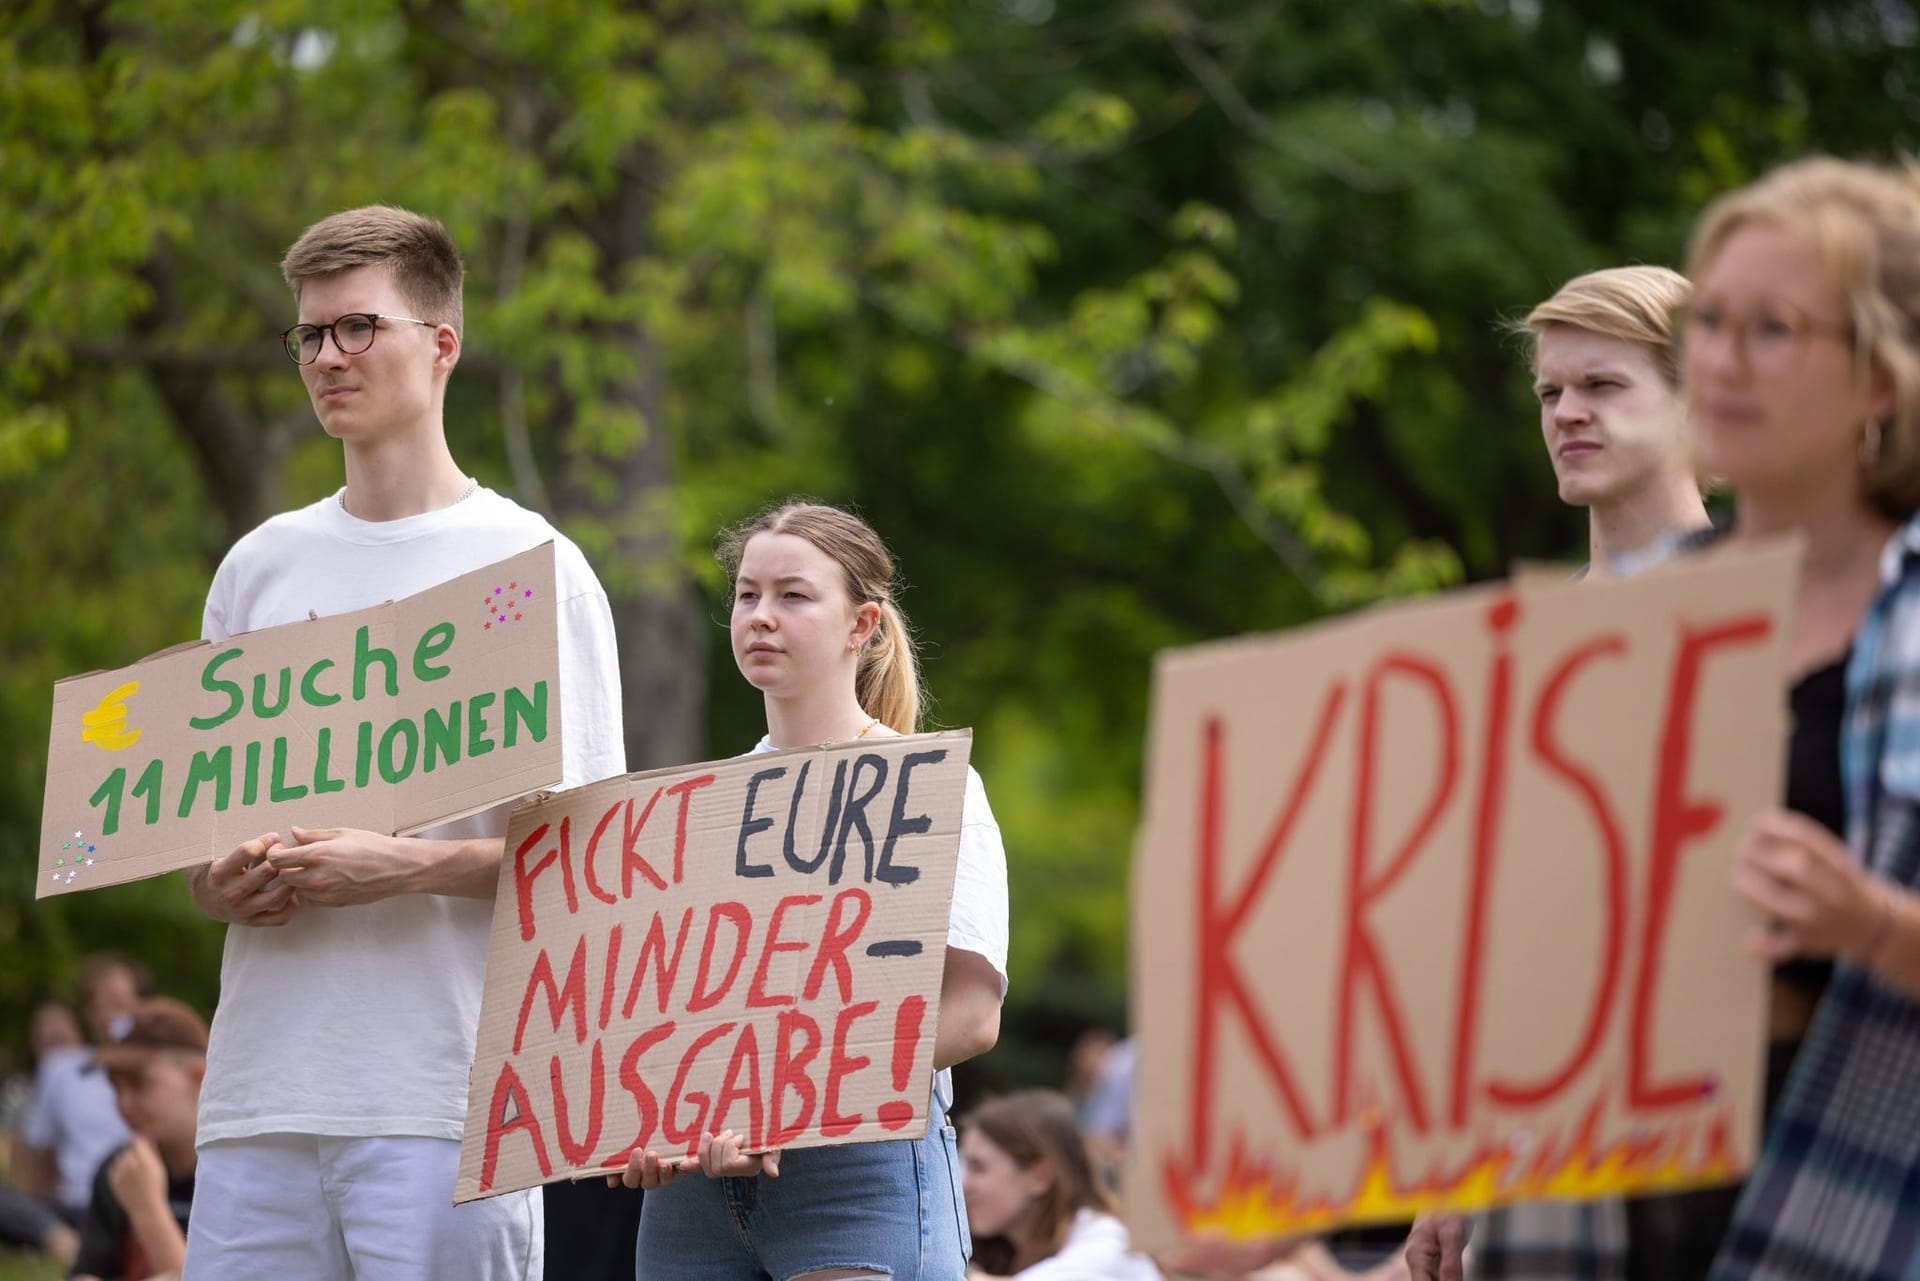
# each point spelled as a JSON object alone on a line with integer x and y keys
{"x": 1870, "y": 446}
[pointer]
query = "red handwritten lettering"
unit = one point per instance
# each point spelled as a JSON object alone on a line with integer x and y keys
{"x": 508, "y": 1089}
{"x": 757, "y": 997}
{"x": 841, "y": 1065}
{"x": 581, "y": 1152}
{"x": 704, "y": 998}
{"x": 1613, "y": 848}
{"x": 560, "y": 998}
{"x": 1678, "y": 820}
{"x": 746, "y": 1056}
{"x": 835, "y": 941}
{"x": 790, "y": 1072}
{"x": 643, "y": 1099}
{"x": 685, "y": 789}
{"x": 1218, "y": 977}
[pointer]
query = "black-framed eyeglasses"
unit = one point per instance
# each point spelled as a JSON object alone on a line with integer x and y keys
{"x": 352, "y": 333}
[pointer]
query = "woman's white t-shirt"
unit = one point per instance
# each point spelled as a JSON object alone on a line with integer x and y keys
{"x": 1096, "y": 1249}
{"x": 977, "y": 922}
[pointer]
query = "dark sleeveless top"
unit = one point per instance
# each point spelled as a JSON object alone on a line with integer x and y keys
{"x": 1819, "y": 703}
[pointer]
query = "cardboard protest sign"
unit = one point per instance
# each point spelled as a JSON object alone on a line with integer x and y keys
{"x": 1431, "y": 904}
{"x": 395, "y": 718}
{"x": 754, "y": 945}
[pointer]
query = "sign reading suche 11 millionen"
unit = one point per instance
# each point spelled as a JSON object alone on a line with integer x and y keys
{"x": 396, "y": 718}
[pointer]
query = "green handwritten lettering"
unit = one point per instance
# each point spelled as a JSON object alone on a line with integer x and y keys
{"x": 250, "y": 782}
{"x": 216, "y": 768}
{"x": 443, "y": 736}
{"x": 148, "y": 786}
{"x": 324, "y": 782}
{"x": 213, "y": 685}
{"x": 478, "y": 744}
{"x": 110, "y": 790}
{"x": 278, "y": 789}
{"x": 364, "y": 656}
{"x": 403, "y": 730}
{"x": 523, "y": 711}
{"x": 310, "y": 692}
{"x": 433, "y": 642}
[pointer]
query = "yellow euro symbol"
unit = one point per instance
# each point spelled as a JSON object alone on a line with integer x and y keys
{"x": 106, "y": 725}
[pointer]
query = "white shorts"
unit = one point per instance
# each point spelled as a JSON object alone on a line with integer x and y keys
{"x": 302, "y": 1207}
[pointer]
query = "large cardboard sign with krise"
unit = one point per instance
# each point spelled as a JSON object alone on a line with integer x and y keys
{"x": 754, "y": 944}
{"x": 1431, "y": 903}
{"x": 396, "y": 718}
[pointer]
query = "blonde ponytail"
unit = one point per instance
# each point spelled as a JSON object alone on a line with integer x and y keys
{"x": 888, "y": 682}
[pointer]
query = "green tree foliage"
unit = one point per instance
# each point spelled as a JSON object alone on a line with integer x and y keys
{"x": 1129, "y": 324}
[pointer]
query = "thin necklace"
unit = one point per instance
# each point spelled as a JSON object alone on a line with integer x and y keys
{"x": 473, "y": 486}
{"x": 871, "y": 722}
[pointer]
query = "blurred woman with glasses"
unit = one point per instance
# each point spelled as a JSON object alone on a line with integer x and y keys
{"x": 1802, "y": 371}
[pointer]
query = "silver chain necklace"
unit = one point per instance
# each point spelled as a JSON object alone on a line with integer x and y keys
{"x": 473, "y": 487}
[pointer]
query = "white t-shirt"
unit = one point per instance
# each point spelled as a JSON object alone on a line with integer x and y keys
{"x": 977, "y": 922}
{"x": 72, "y": 1115}
{"x": 360, "y": 1021}
{"x": 1096, "y": 1249}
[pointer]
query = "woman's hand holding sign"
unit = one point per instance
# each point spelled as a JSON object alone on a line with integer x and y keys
{"x": 649, "y": 1170}
{"x": 1818, "y": 900}
{"x": 720, "y": 1158}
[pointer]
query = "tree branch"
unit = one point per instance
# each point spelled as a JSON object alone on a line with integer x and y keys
{"x": 1216, "y": 462}
{"x": 1220, "y": 87}
{"x": 527, "y": 480}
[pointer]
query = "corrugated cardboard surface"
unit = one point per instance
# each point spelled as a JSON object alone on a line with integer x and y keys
{"x": 594, "y": 1039}
{"x": 132, "y": 729}
{"x": 1347, "y": 1079}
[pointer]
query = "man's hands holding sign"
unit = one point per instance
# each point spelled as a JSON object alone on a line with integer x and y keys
{"x": 242, "y": 888}
{"x": 262, "y": 882}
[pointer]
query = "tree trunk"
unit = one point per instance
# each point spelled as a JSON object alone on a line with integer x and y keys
{"x": 239, "y": 458}
{"x": 656, "y": 608}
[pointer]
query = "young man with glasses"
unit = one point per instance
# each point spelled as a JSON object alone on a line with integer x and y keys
{"x": 336, "y": 1076}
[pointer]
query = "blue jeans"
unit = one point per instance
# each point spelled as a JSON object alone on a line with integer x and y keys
{"x": 892, "y": 1207}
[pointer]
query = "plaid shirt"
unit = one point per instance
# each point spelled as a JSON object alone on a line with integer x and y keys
{"x": 1550, "y": 1241}
{"x": 1836, "y": 1192}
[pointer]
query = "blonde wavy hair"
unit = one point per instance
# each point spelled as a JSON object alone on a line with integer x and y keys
{"x": 1864, "y": 221}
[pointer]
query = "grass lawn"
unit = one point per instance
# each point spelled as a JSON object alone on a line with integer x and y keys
{"x": 20, "y": 1267}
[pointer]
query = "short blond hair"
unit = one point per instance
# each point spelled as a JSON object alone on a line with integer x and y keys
{"x": 1641, "y": 305}
{"x": 1864, "y": 221}
{"x": 416, "y": 249}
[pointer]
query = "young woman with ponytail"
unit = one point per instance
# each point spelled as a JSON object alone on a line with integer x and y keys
{"x": 816, "y": 629}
